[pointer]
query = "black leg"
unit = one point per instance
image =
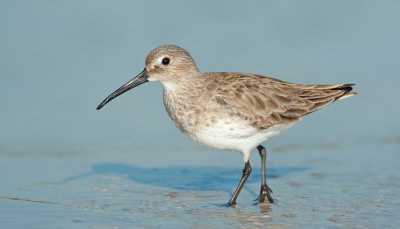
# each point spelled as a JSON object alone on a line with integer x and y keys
{"x": 245, "y": 175}
{"x": 265, "y": 190}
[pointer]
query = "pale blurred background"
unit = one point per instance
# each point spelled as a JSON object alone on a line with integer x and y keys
{"x": 60, "y": 59}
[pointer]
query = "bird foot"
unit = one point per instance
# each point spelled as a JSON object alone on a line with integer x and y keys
{"x": 230, "y": 205}
{"x": 265, "y": 192}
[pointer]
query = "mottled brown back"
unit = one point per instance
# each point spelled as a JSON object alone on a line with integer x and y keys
{"x": 266, "y": 102}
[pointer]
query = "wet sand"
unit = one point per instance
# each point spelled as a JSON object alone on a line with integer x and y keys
{"x": 65, "y": 165}
{"x": 321, "y": 186}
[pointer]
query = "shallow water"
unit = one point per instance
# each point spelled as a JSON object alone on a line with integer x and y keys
{"x": 351, "y": 186}
{"x": 65, "y": 165}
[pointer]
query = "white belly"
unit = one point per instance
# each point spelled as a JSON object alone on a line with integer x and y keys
{"x": 235, "y": 136}
{"x": 214, "y": 127}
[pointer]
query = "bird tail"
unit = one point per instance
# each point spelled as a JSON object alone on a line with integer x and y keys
{"x": 321, "y": 95}
{"x": 347, "y": 88}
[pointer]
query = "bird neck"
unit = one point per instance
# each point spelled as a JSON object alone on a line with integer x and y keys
{"x": 188, "y": 84}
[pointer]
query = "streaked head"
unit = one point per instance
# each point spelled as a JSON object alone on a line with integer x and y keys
{"x": 167, "y": 63}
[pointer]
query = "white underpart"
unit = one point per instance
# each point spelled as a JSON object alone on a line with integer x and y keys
{"x": 345, "y": 96}
{"x": 229, "y": 133}
{"x": 244, "y": 138}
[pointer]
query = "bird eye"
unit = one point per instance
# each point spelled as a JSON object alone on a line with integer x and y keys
{"x": 165, "y": 61}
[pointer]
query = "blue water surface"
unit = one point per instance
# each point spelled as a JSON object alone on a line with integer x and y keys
{"x": 63, "y": 164}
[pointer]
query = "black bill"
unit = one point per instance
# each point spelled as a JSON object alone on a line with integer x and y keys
{"x": 139, "y": 79}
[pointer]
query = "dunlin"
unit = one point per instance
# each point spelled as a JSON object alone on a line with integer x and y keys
{"x": 227, "y": 110}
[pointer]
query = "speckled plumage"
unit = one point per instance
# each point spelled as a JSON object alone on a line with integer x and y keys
{"x": 232, "y": 107}
{"x": 230, "y": 111}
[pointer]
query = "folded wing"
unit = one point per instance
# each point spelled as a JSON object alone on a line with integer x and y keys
{"x": 266, "y": 102}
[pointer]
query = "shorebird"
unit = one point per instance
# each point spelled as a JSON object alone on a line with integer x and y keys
{"x": 230, "y": 110}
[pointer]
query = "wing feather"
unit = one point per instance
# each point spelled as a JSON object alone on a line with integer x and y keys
{"x": 266, "y": 102}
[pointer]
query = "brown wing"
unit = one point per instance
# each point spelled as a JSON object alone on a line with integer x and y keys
{"x": 266, "y": 102}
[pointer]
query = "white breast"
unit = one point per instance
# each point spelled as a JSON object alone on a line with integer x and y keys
{"x": 213, "y": 127}
{"x": 237, "y": 136}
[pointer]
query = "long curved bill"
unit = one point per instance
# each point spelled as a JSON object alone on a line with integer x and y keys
{"x": 139, "y": 79}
